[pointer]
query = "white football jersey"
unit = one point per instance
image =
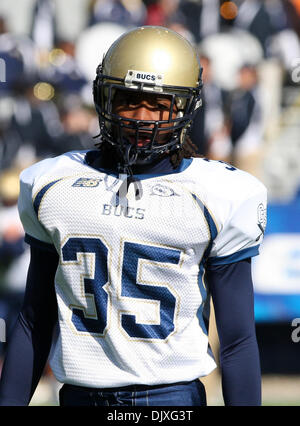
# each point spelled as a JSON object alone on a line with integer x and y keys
{"x": 130, "y": 285}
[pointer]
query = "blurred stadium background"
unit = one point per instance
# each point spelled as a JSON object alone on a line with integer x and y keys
{"x": 250, "y": 50}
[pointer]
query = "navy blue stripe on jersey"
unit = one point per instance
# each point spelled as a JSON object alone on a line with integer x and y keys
{"x": 203, "y": 292}
{"x": 235, "y": 257}
{"x": 211, "y": 225}
{"x": 212, "y": 229}
{"x": 39, "y": 244}
{"x": 203, "y": 311}
{"x": 39, "y": 196}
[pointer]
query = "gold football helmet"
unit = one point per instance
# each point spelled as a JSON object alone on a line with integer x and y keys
{"x": 148, "y": 59}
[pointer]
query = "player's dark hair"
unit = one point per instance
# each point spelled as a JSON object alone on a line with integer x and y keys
{"x": 187, "y": 150}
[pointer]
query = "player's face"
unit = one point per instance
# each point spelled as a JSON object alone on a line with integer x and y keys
{"x": 144, "y": 107}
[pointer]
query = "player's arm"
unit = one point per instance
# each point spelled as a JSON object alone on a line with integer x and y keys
{"x": 232, "y": 293}
{"x": 29, "y": 345}
{"x": 240, "y": 218}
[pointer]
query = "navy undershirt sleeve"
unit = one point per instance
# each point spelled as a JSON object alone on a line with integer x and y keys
{"x": 29, "y": 345}
{"x": 232, "y": 294}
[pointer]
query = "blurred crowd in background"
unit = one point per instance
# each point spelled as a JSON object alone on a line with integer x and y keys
{"x": 49, "y": 51}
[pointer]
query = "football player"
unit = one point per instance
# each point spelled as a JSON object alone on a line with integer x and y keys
{"x": 130, "y": 241}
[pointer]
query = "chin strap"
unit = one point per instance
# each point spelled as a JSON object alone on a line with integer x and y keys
{"x": 125, "y": 169}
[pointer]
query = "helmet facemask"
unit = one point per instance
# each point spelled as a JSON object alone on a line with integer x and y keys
{"x": 163, "y": 136}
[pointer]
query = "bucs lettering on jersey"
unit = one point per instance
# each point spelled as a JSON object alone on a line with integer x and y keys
{"x": 131, "y": 291}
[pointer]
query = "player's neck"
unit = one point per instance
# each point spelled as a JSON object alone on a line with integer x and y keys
{"x": 108, "y": 161}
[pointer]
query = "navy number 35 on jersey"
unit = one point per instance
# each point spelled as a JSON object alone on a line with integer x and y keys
{"x": 74, "y": 251}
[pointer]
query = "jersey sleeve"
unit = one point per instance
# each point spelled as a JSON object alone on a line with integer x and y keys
{"x": 35, "y": 233}
{"x": 242, "y": 231}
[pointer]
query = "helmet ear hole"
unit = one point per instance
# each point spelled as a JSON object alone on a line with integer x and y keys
{"x": 180, "y": 103}
{"x": 183, "y": 134}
